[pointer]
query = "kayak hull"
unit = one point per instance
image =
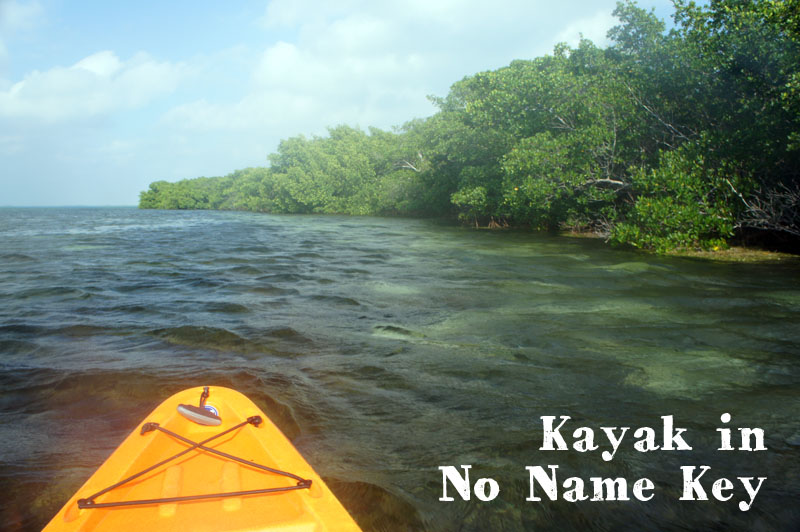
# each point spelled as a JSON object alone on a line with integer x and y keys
{"x": 200, "y": 472}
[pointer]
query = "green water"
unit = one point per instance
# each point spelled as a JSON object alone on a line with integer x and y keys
{"x": 385, "y": 348}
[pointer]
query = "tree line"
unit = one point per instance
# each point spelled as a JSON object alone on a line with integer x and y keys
{"x": 684, "y": 138}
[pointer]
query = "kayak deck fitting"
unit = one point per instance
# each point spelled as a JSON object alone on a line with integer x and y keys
{"x": 184, "y": 469}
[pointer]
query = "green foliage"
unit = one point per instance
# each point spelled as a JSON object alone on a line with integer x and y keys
{"x": 199, "y": 193}
{"x": 348, "y": 172}
{"x": 661, "y": 140}
{"x": 472, "y": 202}
{"x": 749, "y": 55}
{"x": 684, "y": 202}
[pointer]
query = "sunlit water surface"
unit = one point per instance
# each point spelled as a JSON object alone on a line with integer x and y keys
{"x": 385, "y": 348}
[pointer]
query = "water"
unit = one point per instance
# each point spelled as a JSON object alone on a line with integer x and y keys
{"x": 385, "y": 348}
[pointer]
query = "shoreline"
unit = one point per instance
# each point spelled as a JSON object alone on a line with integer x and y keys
{"x": 739, "y": 254}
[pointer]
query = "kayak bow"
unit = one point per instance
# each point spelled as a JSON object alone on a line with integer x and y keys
{"x": 219, "y": 466}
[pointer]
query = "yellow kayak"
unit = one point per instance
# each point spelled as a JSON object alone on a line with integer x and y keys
{"x": 207, "y": 459}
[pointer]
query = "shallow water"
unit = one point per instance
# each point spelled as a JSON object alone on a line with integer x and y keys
{"x": 385, "y": 348}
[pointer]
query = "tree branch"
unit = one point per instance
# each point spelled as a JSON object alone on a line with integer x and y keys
{"x": 776, "y": 210}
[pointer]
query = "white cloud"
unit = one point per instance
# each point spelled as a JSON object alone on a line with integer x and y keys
{"x": 297, "y": 89}
{"x": 11, "y": 144}
{"x": 102, "y": 64}
{"x": 373, "y": 63}
{"x": 97, "y": 84}
{"x": 593, "y": 28}
{"x": 288, "y": 13}
{"x": 16, "y": 15}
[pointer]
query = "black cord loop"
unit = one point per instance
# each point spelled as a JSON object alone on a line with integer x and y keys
{"x": 302, "y": 483}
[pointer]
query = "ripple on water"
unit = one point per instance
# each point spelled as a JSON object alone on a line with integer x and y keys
{"x": 17, "y": 258}
{"x": 307, "y": 255}
{"x": 361, "y": 498}
{"x": 223, "y": 307}
{"x": 246, "y": 270}
{"x": 280, "y": 341}
{"x": 284, "y": 278}
{"x": 335, "y": 300}
{"x": 395, "y": 289}
{"x": 271, "y": 290}
{"x": 53, "y": 292}
{"x": 395, "y": 331}
{"x": 213, "y": 338}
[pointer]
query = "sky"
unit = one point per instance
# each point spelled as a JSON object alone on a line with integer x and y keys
{"x": 99, "y": 99}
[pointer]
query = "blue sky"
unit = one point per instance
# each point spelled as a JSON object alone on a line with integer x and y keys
{"x": 98, "y": 99}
